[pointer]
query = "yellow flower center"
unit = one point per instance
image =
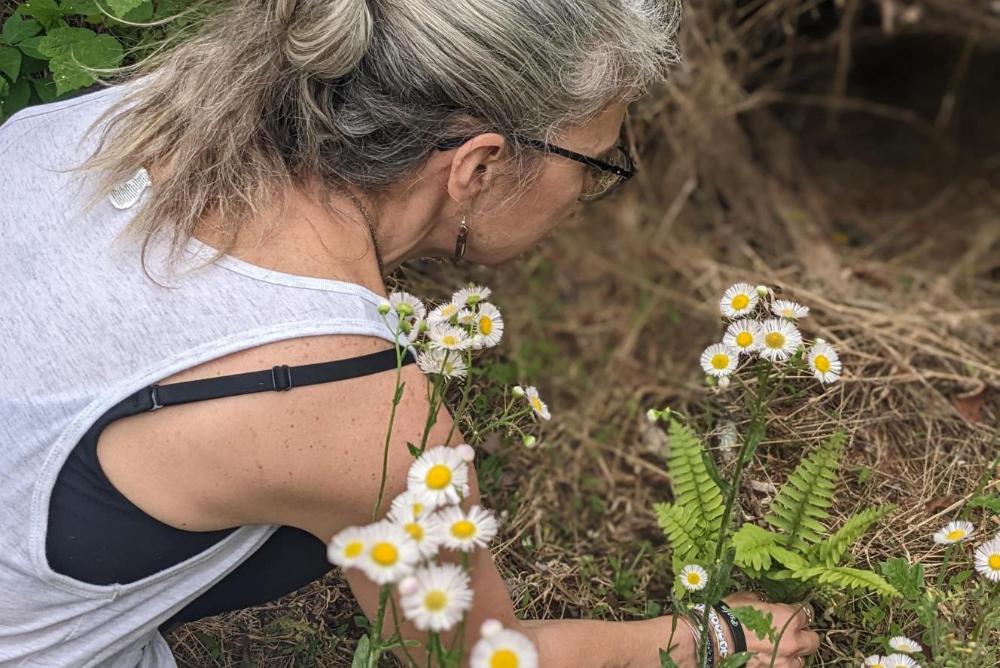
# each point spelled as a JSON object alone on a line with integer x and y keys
{"x": 694, "y": 579}
{"x": 788, "y": 313}
{"x": 740, "y": 302}
{"x": 485, "y": 325}
{"x": 354, "y": 549}
{"x": 449, "y": 340}
{"x": 385, "y": 554}
{"x": 504, "y": 658}
{"x": 955, "y": 534}
{"x": 822, "y": 363}
{"x": 449, "y": 310}
{"x": 415, "y": 530}
{"x": 417, "y": 509}
{"x": 536, "y": 403}
{"x": 775, "y": 340}
{"x": 463, "y": 529}
{"x": 438, "y": 476}
{"x": 435, "y": 600}
{"x": 744, "y": 339}
{"x": 720, "y": 361}
{"x": 994, "y": 562}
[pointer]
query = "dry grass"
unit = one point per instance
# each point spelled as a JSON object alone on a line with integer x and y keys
{"x": 875, "y": 201}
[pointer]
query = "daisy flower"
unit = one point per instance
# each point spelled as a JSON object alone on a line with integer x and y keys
{"x": 744, "y": 335}
{"x": 739, "y": 300}
{"x": 900, "y": 661}
{"x": 443, "y": 313}
{"x": 465, "y": 532}
{"x": 875, "y": 661}
{"x": 904, "y": 645}
{"x": 719, "y": 360}
{"x": 988, "y": 560}
{"x": 503, "y": 648}
{"x": 953, "y": 532}
{"x": 390, "y": 555}
{"x": 779, "y": 339}
{"x": 693, "y": 577}
{"x": 789, "y": 310}
{"x": 442, "y": 362}
{"x": 489, "y": 326}
{"x": 409, "y": 505}
{"x": 440, "y": 476}
{"x": 441, "y": 596}
{"x": 824, "y": 362}
{"x": 347, "y": 548}
{"x": 471, "y": 295}
{"x": 448, "y": 337}
{"x": 424, "y": 528}
{"x": 407, "y": 305}
{"x": 536, "y": 403}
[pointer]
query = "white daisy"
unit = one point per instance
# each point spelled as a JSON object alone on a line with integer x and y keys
{"x": 465, "y": 532}
{"x": 446, "y": 363}
{"x": 719, "y": 360}
{"x": 443, "y": 594}
{"x": 471, "y": 295}
{"x": 988, "y": 559}
{"x": 900, "y": 661}
{"x": 490, "y": 627}
{"x": 407, "y": 305}
{"x": 789, "y": 310}
{"x": 489, "y": 326}
{"x": 738, "y": 300}
{"x": 449, "y": 337}
{"x": 390, "y": 555}
{"x": 693, "y": 577}
{"x": 347, "y": 548}
{"x": 875, "y": 661}
{"x": 744, "y": 335}
{"x": 424, "y": 528}
{"x": 824, "y": 362}
{"x": 443, "y": 313}
{"x": 409, "y": 505}
{"x": 953, "y": 532}
{"x": 504, "y": 649}
{"x": 904, "y": 645}
{"x": 440, "y": 476}
{"x": 779, "y": 339}
{"x": 536, "y": 403}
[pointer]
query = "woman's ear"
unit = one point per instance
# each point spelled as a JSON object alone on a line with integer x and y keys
{"x": 474, "y": 165}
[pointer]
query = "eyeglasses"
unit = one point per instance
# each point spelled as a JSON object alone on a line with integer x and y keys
{"x": 604, "y": 174}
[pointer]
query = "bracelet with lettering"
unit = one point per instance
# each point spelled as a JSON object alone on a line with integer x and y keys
{"x": 739, "y": 637}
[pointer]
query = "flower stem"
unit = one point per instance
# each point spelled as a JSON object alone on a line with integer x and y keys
{"x": 397, "y": 396}
{"x": 377, "y": 645}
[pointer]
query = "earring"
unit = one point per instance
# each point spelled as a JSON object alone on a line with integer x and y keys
{"x": 460, "y": 240}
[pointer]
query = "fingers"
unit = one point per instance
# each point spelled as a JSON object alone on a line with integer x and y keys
{"x": 808, "y": 642}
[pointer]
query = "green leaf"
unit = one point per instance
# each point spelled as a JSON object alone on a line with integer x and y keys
{"x": 72, "y": 50}
{"x": 666, "y": 661}
{"x": 909, "y": 580}
{"x": 682, "y": 530}
{"x": 361, "y": 653}
{"x": 758, "y": 622}
{"x": 45, "y": 90}
{"x": 121, "y": 7}
{"x": 753, "y": 545}
{"x": 851, "y": 578}
{"x": 736, "y": 660}
{"x": 691, "y": 483}
{"x": 17, "y": 97}
{"x": 10, "y": 62}
{"x": 831, "y": 551}
{"x": 991, "y": 503}
{"x": 414, "y": 450}
{"x": 17, "y": 28}
{"x": 47, "y": 12}
{"x": 29, "y": 47}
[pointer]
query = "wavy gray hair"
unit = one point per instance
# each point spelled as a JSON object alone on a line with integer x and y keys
{"x": 356, "y": 92}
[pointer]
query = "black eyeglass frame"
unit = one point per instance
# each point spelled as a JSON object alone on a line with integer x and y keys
{"x": 624, "y": 174}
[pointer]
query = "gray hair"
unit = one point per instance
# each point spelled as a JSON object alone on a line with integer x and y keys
{"x": 357, "y": 92}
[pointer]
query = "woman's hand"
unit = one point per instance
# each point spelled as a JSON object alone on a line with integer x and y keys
{"x": 797, "y": 642}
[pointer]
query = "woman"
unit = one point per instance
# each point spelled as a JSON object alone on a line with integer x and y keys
{"x": 303, "y": 149}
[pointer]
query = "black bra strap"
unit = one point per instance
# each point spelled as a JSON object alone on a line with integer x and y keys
{"x": 277, "y": 378}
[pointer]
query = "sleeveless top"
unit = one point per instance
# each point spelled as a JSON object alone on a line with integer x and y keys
{"x": 81, "y": 330}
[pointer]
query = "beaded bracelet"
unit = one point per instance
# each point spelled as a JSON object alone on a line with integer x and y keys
{"x": 697, "y": 612}
{"x": 720, "y": 636}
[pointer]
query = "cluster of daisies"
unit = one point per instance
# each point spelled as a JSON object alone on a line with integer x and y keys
{"x": 766, "y": 327}
{"x": 903, "y": 647}
{"x": 402, "y": 550}
{"x": 987, "y": 555}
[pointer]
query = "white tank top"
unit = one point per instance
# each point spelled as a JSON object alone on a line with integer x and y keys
{"x": 82, "y": 328}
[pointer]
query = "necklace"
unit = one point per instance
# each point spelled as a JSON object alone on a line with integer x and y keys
{"x": 371, "y": 230}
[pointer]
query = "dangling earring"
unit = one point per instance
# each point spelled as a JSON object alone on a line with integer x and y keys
{"x": 460, "y": 240}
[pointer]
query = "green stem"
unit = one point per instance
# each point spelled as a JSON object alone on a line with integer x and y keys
{"x": 377, "y": 645}
{"x": 397, "y": 396}
{"x": 465, "y": 395}
{"x": 395, "y": 620}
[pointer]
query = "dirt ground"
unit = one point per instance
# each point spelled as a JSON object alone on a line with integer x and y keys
{"x": 869, "y": 190}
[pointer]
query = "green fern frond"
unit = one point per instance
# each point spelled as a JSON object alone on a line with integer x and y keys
{"x": 832, "y": 550}
{"x": 850, "y": 578}
{"x": 682, "y": 530}
{"x": 802, "y": 503}
{"x": 753, "y": 545}
{"x": 692, "y": 486}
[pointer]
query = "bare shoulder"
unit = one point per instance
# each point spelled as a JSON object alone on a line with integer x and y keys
{"x": 310, "y": 457}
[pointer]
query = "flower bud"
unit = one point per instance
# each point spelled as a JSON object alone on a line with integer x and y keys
{"x": 518, "y": 391}
{"x": 763, "y": 291}
{"x": 466, "y": 452}
{"x": 653, "y": 415}
{"x": 404, "y": 309}
{"x": 529, "y": 441}
{"x": 384, "y": 307}
{"x": 490, "y": 627}
{"x": 408, "y": 585}
{"x": 710, "y": 381}
{"x": 724, "y": 382}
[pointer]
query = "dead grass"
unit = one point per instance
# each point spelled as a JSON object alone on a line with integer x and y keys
{"x": 765, "y": 160}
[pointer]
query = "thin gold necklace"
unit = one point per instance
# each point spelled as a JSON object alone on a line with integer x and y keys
{"x": 371, "y": 230}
